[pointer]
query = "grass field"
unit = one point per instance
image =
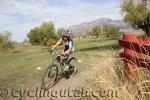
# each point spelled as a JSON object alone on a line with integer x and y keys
{"x": 19, "y": 68}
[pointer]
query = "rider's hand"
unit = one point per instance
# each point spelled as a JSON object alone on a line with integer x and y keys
{"x": 63, "y": 53}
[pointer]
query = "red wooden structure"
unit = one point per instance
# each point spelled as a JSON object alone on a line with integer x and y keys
{"x": 134, "y": 49}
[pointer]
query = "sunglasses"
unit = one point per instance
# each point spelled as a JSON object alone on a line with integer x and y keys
{"x": 65, "y": 36}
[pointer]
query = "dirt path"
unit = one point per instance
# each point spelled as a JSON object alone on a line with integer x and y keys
{"x": 75, "y": 82}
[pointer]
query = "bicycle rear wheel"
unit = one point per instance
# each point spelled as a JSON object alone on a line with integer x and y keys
{"x": 50, "y": 76}
{"x": 73, "y": 64}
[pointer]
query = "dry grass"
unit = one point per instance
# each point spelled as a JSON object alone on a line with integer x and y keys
{"x": 112, "y": 78}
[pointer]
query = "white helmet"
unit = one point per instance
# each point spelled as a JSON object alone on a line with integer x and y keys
{"x": 66, "y": 33}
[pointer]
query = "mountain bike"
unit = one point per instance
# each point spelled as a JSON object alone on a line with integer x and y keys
{"x": 56, "y": 68}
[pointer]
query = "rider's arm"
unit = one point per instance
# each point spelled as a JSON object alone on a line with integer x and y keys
{"x": 56, "y": 45}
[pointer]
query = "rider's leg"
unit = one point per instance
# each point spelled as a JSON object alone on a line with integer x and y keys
{"x": 61, "y": 59}
{"x": 66, "y": 68}
{"x": 64, "y": 60}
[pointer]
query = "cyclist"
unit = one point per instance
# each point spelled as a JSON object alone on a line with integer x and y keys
{"x": 68, "y": 47}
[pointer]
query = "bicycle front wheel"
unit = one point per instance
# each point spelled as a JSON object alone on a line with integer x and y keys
{"x": 50, "y": 76}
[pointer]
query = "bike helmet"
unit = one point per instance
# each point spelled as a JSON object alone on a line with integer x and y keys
{"x": 67, "y": 33}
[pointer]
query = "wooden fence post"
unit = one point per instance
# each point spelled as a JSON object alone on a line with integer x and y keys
{"x": 131, "y": 70}
{"x": 134, "y": 48}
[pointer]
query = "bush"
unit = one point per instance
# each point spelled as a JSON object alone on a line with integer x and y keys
{"x": 43, "y": 35}
{"x": 5, "y": 41}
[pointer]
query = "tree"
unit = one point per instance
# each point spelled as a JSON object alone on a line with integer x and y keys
{"x": 59, "y": 32}
{"x": 43, "y": 35}
{"x": 95, "y": 31}
{"x": 5, "y": 36}
{"x": 110, "y": 31}
{"x": 137, "y": 13}
{"x": 5, "y": 41}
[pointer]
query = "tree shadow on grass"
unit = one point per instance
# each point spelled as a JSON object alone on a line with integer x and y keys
{"x": 101, "y": 47}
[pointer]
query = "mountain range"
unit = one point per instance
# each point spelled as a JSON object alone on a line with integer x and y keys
{"x": 81, "y": 29}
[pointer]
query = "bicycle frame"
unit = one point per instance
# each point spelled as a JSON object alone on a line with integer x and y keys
{"x": 56, "y": 60}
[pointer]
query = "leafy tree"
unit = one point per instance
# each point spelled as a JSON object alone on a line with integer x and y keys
{"x": 5, "y": 36}
{"x": 5, "y": 41}
{"x": 59, "y": 32}
{"x": 137, "y": 13}
{"x": 95, "y": 31}
{"x": 110, "y": 31}
{"x": 43, "y": 35}
{"x": 105, "y": 31}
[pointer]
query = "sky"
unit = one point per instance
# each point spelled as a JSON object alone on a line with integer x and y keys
{"x": 20, "y": 16}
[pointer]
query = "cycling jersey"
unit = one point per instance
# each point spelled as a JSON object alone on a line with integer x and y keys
{"x": 67, "y": 44}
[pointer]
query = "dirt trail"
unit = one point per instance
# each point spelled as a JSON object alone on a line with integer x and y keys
{"x": 73, "y": 82}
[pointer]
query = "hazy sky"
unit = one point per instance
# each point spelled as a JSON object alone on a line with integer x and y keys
{"x": 19, "y": 16}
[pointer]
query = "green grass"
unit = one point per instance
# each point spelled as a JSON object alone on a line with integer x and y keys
{"x": 19, "y": 68}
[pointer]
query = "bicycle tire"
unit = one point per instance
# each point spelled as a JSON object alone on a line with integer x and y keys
{"x": 75, "y": 65}
{"x": 48, "y": 78}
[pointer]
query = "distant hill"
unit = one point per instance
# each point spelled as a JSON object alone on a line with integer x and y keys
{"x": 81, "y": 29}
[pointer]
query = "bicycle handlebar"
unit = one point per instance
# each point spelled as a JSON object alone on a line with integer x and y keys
{"x": 54, "y": 53}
